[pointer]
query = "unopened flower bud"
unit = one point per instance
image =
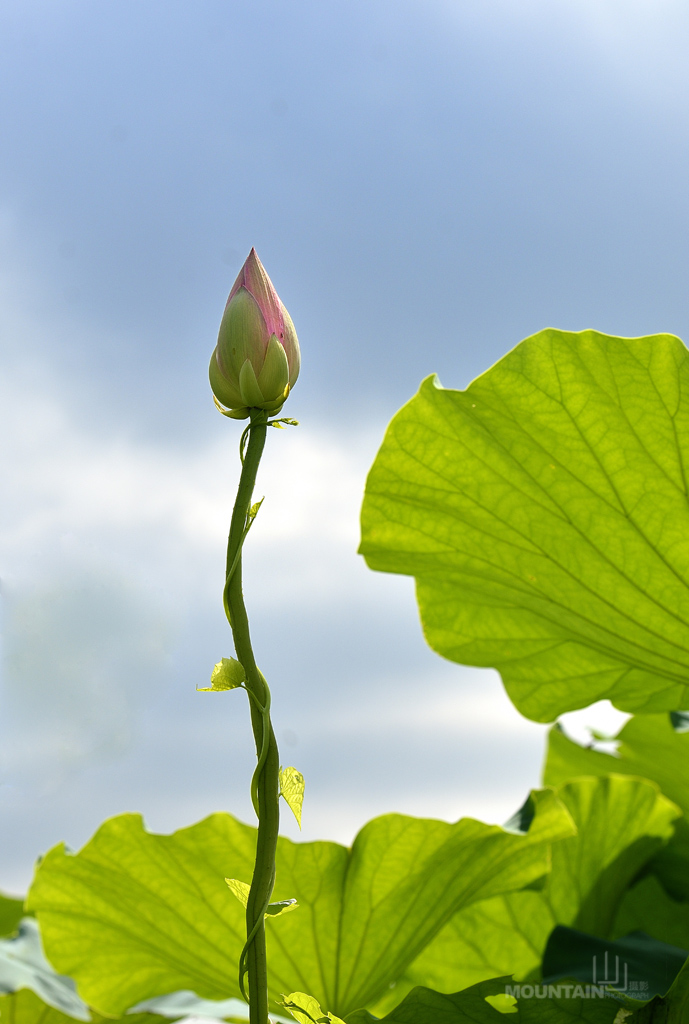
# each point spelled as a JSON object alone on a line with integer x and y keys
{"x": 256, "y": 361}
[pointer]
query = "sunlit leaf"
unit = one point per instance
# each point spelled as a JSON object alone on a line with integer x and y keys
{"x": 392, "y": 894}
{"x": 292, "y": 789}
{"x": 281, "y": 907}
{"x": 307, "y": 1010}
{"x": 648, "y": 908}
{"x": 123, "y": 915}
{"x": 503, "y": 1003}
{"x": 544, "y": 514}
{"x": 647, "y": 746}
{"x": 621, "y": 824}
{"x": 228, "y": 674}
{"x": 11, "y": 913}
{"x": 486, "y": 1003}
{"x": 241, "y": 891}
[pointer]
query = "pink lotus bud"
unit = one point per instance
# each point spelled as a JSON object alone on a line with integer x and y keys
{"x": 256, "y": 361}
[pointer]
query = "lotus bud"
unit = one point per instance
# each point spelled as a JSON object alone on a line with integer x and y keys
{"x": 256, "y": 361}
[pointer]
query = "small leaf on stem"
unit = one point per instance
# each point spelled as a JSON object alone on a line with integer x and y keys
{"x": 241, "y": 891}
{"x": 292, "y": 789}
{"x": 307, "y": 1010}
{"x": 253, "y": 511}
{"x": 280, "y": 907}
{"x": 228, "y": 674}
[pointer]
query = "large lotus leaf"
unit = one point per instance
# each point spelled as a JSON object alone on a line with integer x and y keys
{"x": 472, "y": 1006}
{"x": 544, "y": 514}
{"x": 648, "y": 746}
{"x": 569, "y": 1008}
{"x": 25, "y": 1007}
{"x": 401, "y": 879}
{"x": 565, "y": 759}
{"x": 11, "y": 913}
{"x": 621, "y": 823}
{"x": 135, "y": 915}
{"x": 424, "y": 1006}
{"x": 648, "y": 908}
{"x": 672, "y": 1008}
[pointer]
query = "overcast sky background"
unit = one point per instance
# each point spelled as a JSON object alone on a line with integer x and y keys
{"x": 427, "y": 182}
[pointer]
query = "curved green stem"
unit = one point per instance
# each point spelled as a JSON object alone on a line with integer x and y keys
{"x": 265, "y": 784}
{"x": 264, "y": 710}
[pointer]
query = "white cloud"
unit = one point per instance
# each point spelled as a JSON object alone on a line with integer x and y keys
{"x": 164, "y": 512}
{"x": 93, "y": 526}
{"x": 642, "y": 43}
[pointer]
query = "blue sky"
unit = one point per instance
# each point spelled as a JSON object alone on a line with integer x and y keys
{"x": 427, "y": 183}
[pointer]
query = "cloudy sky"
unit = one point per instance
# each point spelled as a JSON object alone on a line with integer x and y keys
{"x": 427, "y": 182}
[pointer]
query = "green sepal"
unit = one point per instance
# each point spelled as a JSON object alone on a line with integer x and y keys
{"x": 233, "y": 414}
{"x": 223, "y": 391}
{"x": 272, "y": 408}
{"x": 242, "y": 335}
{"x": 248, "y": 386}
{"x": 274, "y": 375}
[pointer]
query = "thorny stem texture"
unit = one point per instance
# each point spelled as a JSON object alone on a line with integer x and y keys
{"x": 267, "y": 782}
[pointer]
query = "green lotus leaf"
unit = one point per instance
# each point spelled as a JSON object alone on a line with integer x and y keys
{"x": 136, "y": 915}
{"x": 486, "y": 1003}
{"x": 621, "y": 824}
{"x": 648, "y": 908}
{"x": 544, "y": 515}
{"x": 672, "y": 1008}
{"x": 648, "y": 746}
{"x": 292, "y": 788}
{"x": 424, "y": 1006}
{"x": 11, "y": 913}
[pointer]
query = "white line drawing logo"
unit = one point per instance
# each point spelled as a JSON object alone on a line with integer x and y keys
{"x": 606, "y": 980}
